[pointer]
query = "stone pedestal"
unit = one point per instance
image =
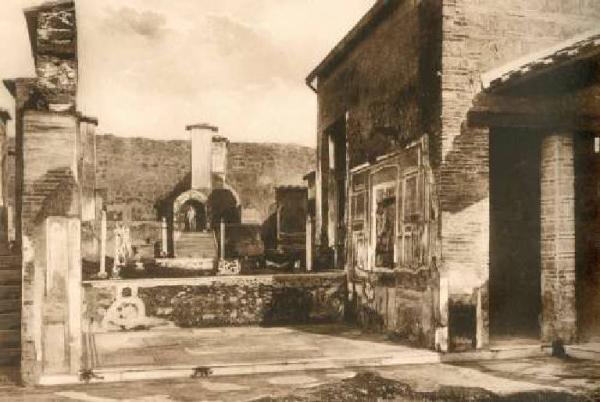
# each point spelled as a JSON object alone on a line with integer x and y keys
{"x": 558, "y": 238}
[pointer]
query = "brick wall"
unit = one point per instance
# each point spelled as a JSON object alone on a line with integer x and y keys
{"x": 478, "y": 37}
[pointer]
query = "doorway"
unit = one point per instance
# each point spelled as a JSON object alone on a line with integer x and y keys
{"x": 587, "y": 235}
{"x": 193, "y": 216}
{"x": 515, "y": 269}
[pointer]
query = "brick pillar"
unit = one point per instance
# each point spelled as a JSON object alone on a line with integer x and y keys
{"x": 558, "y": 238}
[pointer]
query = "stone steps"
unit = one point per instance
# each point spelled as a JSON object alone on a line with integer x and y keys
{"x": 10, "y": 262}
{"x": 10, "y": 356}
{"x": 10, "y": 310}
{"x": 196, "y": 245}
{"x": 10, "y": 321}
{"x": 10, "y": 292}
{"x": 10, "y": 339}
{"x": 10, "y": 277}
{"x": 10, "y": 305}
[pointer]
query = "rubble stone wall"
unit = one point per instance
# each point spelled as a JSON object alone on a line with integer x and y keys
{"x": 138, "y": 172}
{"x": 218, "y": 301}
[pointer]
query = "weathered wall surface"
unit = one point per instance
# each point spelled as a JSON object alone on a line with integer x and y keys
{"x": 402, "y": 305}
{"x": 388, "y": 88}
{"x": 224, "y": 301}
{"x": 55, "y": 54}
{"x": 137, "y": 172}
{"x": 477, "y": 38}
{"x": 387, "y": 85}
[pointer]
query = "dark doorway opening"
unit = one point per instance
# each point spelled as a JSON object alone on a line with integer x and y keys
{"x": 587, "y": 235}
{"x": 193, "y": 216}
{"x": 515, "y": 270}
{"x": 337, "y": 186}
{"x": 223, "y": 206}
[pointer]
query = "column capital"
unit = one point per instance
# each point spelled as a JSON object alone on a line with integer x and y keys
{"x": 202, "y": 126}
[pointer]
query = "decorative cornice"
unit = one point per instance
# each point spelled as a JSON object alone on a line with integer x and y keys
{"x": 202, "y": 126}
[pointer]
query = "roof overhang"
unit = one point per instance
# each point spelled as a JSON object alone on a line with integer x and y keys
{"x": 377, "y": 13}
{"x": 557, "y": 88}
{"x": 579, "y": 48}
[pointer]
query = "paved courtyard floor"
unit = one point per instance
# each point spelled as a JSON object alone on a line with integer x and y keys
{"x": 225, "y": 348}
{"x": 330, "y": 362}
{"x": 540, "y": 379}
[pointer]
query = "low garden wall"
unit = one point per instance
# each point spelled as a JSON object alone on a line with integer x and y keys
{"x": 117, "y": 305}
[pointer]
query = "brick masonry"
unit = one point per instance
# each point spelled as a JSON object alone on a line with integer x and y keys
{"x": 477, "y": 38}
{"x": 558, "y": 237}
{"x": 375, "y": 85}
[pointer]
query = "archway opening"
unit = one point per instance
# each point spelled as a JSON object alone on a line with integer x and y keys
{"x": 515, "y": 267}
{"x": 191, "y": 216}
{"x": 223, "y": 206}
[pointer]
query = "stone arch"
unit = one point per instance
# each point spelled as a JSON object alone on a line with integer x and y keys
{"x": 190, "y": 199}
{"x": 223, "y": 205}
{"x": 234, "y": 193}
{"x": 187, "y": 196}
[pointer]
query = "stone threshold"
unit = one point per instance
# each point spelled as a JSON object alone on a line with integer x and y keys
{"x": 204, "y": 280}
{"x": 404, "y": 358}
{"x": 586, "y": 351}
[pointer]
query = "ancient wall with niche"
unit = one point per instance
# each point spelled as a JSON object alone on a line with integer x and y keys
{"x": 136, "y": 173}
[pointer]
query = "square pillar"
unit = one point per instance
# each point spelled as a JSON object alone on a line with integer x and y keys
{"x": 558, "y": 238}
{"x": 202, "y": 160}
{"x": 50, "y": 228}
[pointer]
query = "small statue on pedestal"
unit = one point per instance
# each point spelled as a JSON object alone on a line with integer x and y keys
{"x": 122, "y": 249}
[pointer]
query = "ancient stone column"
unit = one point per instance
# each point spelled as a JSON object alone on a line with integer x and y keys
{"x": 163, "y": 236}
{"x": 558, "y": 237}
{"x": 4, "y": 180}
{"x": 201, "y": 139}
{"x": 222, "y": 239}
{"x": 102, "y": 274}
{"x": 87, "y": 166}
{"x": 309, "y": 243}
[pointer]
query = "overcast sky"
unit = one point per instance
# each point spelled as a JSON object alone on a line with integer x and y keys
{"x": 149, "y": 67}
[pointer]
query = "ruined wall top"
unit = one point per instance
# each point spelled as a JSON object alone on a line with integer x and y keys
{"x": 53, "y": 37}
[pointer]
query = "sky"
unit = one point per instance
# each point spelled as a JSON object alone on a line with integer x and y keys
{"x": 150, "y": 67}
